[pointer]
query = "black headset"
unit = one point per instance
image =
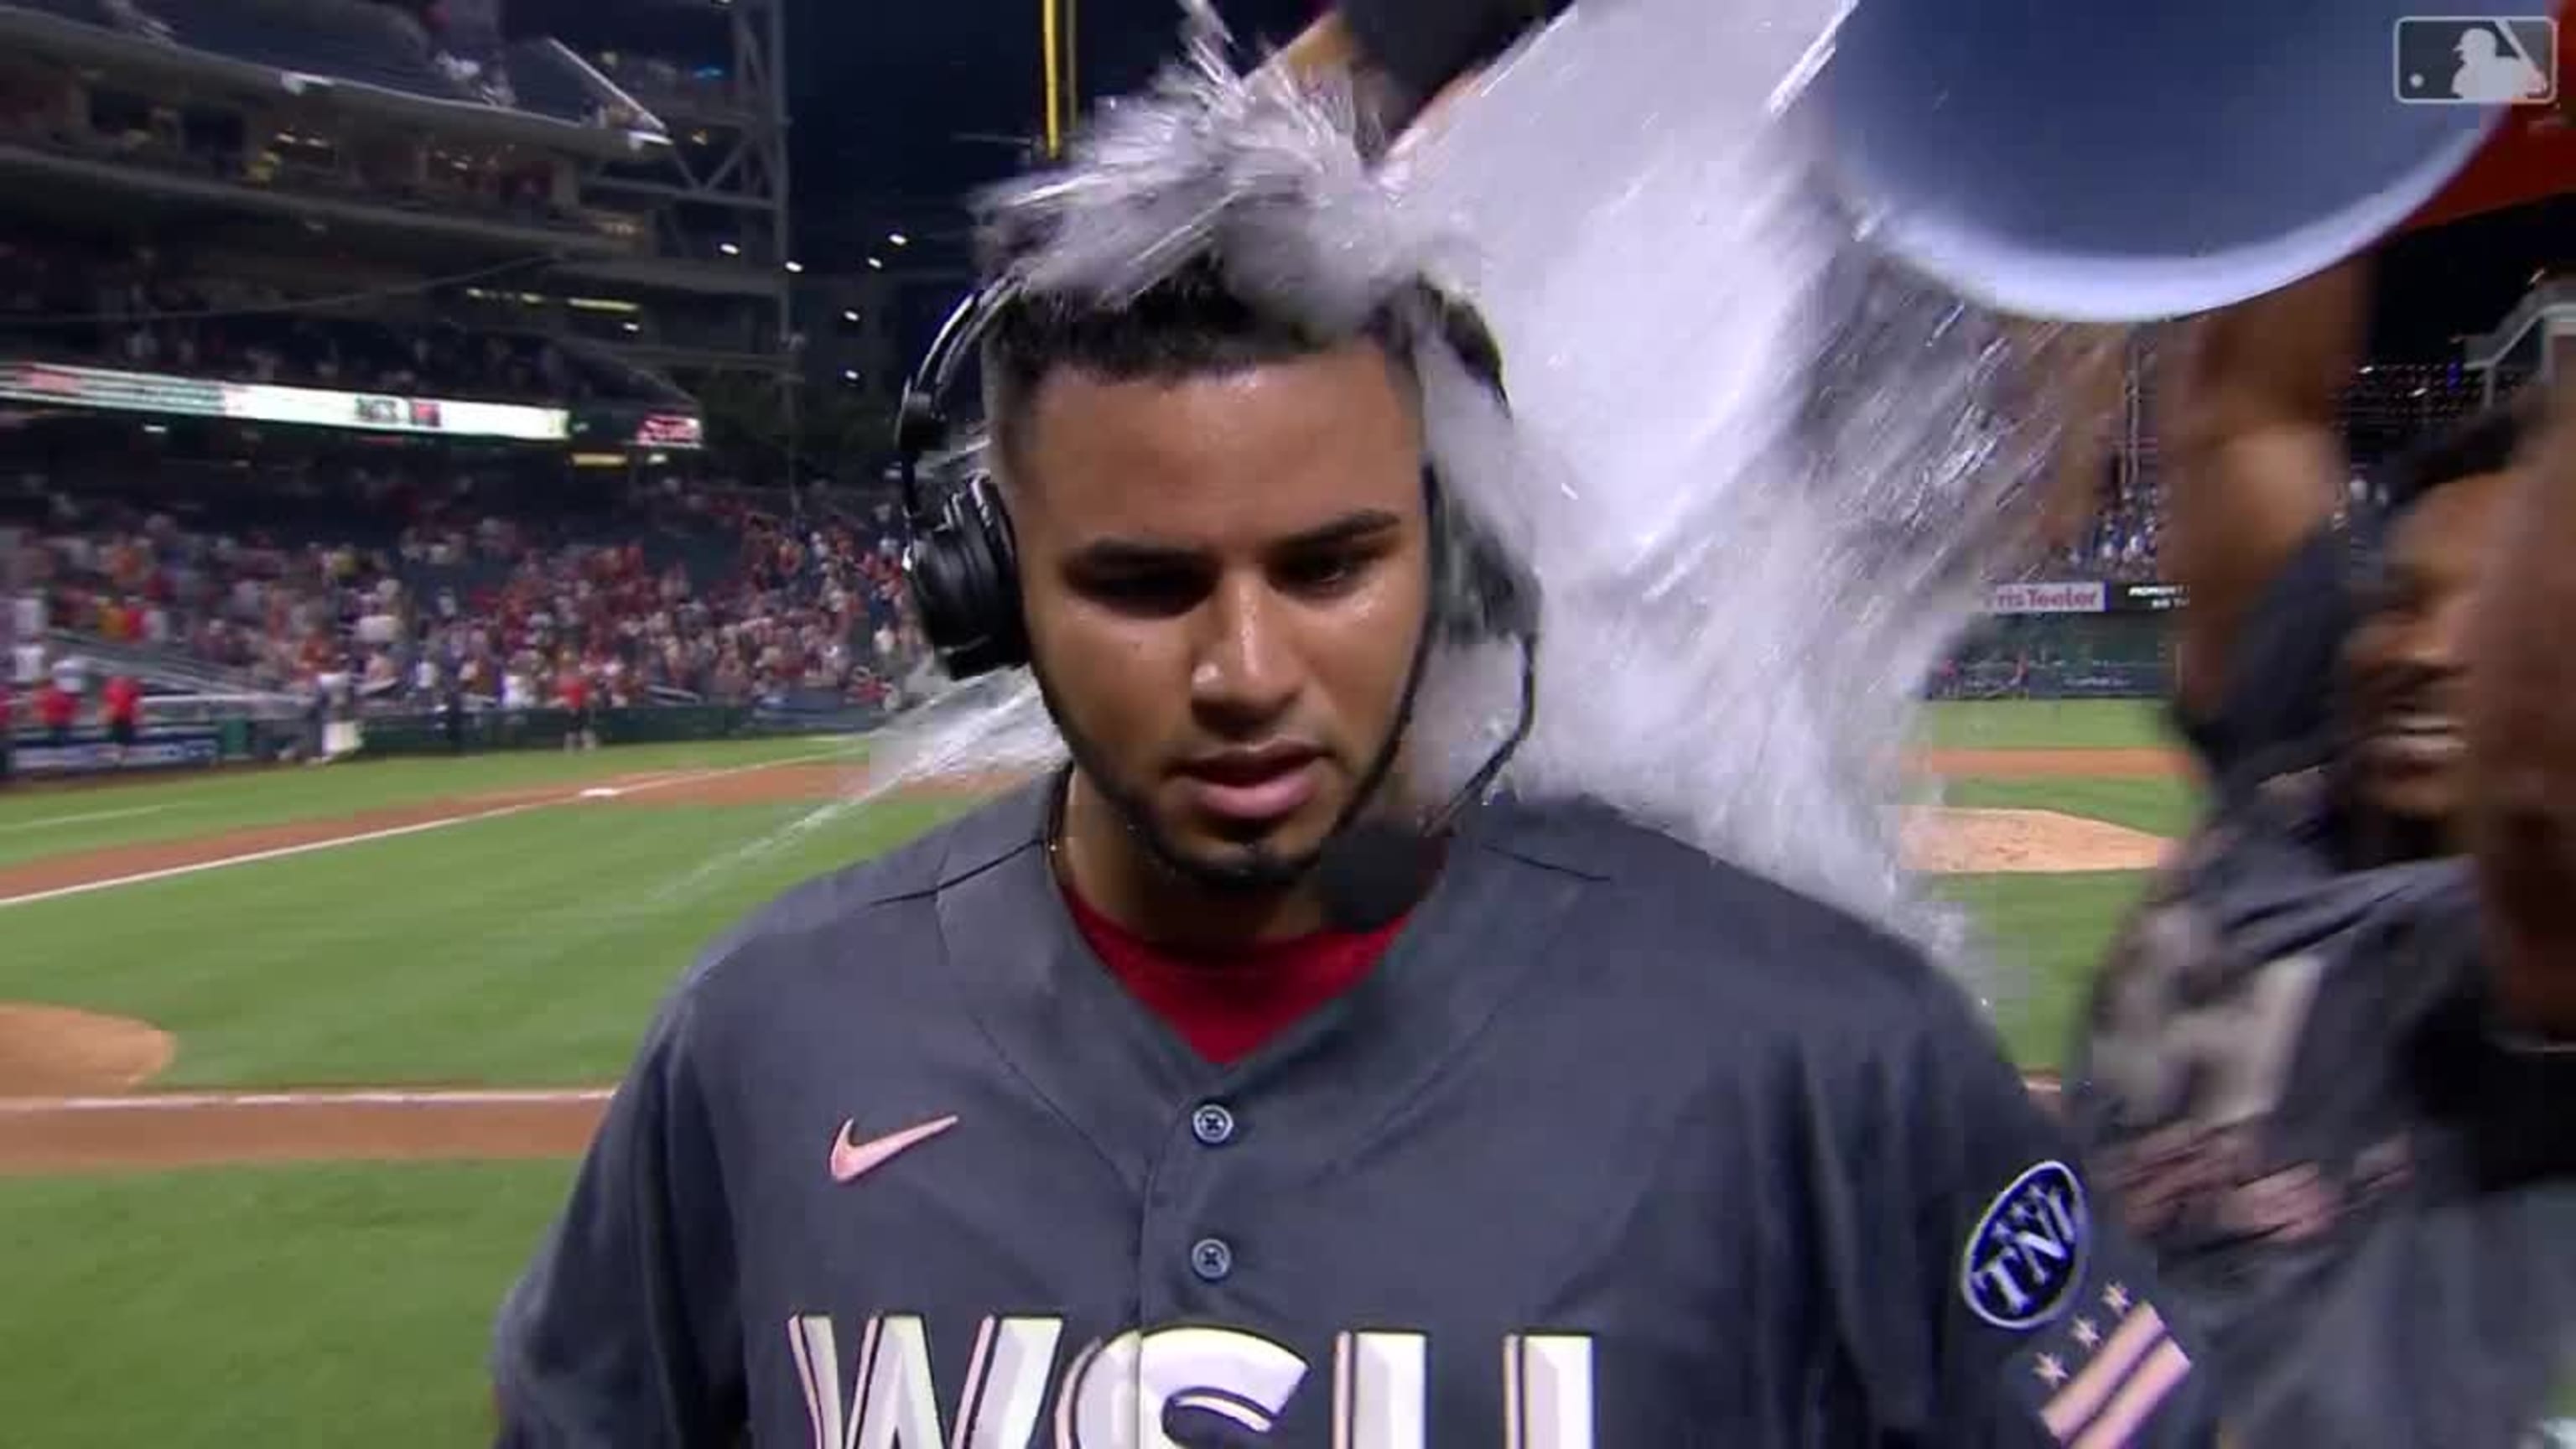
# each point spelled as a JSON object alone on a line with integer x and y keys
{"x": 962, "y": 567}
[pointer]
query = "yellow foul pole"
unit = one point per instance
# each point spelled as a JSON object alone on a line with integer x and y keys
{"x": 1054, "y": 20}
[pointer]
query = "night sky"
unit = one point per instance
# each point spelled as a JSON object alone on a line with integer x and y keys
{"x": 910, "y": 100}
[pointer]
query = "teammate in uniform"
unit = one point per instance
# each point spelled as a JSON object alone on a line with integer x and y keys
{"x": 2299, "y": 1078}
{"x": 1111, "y": 1115}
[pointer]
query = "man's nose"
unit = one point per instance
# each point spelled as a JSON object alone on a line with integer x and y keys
{"x": 1245, "y": 673}
{"x": 2430, "y": 643}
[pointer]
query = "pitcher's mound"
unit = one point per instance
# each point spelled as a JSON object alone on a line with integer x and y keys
{"x": 1947, "y": 841}
{"x": 55, "y": 1051}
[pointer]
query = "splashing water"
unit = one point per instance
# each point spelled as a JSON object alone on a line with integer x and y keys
{"x": 1761, "y": 476}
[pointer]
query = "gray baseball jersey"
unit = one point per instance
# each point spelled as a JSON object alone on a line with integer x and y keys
{"x": 2287, "y": 1086}
{"x": 1615, "y": 1147}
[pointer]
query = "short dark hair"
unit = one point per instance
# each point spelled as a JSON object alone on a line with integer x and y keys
{"x": 2486, "y": 441}
{"x": 1191, "y": 324}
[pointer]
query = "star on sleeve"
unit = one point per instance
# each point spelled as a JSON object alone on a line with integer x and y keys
{"x": 2098, "y": 1388}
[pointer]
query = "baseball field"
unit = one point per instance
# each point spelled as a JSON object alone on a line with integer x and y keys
{"x": 294, "y": 1064}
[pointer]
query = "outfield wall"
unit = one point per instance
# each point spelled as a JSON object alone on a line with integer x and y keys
{"x": 238, "y": 738}
{"x": 480, "y": 731}
{"x": 2084, "y": 640}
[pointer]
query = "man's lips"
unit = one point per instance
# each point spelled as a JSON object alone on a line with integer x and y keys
{"x": 2411, "y": 734}
{"x": 1254, "y": 785}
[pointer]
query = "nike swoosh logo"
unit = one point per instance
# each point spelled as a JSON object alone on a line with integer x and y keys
{"x": 853, "y": 1160}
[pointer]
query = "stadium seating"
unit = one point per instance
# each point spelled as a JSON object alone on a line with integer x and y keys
{"x": 342, "y": 39}
{"x": 87, "y": 12}
{"x": 548, "y": 81}
{"x": 673, "y": 593}
{"x": 2387, "y": 406}
{"x": 255, "y": 335}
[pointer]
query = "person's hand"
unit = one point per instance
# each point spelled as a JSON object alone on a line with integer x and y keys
{"x": 1331, "y": 44}
{"x": 1326, "y": 45}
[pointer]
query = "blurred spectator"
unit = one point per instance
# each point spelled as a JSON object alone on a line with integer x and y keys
{"x": 146, "y": 312}
{"x": 2386, "y": 405}
{"x": 677, "y": 594}
{"x": 56, "y": 709}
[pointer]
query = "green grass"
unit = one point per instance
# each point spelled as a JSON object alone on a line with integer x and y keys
{"x": 530, "y": 948}
{"x": 2045, "y": 934}
{"x": 270, "y": 1307}
{"x": 45, "y": 823}
{"x": 283, "y": 1307}
{"x": 523, "y": 949}
{"x": 2052, "y": 725}
{"x": 327, "y": 1306}
{"x": 2159, "y": 807}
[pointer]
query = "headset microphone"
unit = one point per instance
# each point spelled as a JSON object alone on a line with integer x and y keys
{"x": 1372, "y": 871}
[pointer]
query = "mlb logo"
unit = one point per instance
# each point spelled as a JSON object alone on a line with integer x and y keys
{"x": 2477, "y": 60}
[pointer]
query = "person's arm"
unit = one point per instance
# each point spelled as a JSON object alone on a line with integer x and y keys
{"x": 625, "y": 1333}
{"x": 2253, "y": 472}
{"x": 2008, "y": 1305}
{"x": 1405, "y": 55}
{"x": 1422, "y": 46}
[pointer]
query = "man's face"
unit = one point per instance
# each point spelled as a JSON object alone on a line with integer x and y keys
{"x": 2405, "y": 661}
{"x": 1225, "y": 579}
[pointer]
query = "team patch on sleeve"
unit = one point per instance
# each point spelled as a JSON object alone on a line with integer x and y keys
{"x": 2026, "y": 1256}
{"x": 2097, "y": 1379}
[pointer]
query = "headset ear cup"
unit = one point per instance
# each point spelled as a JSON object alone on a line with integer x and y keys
{"x": 1492, "y": 596}
{"x": 930, "y": 568}
{"x": 966, "y": 584}
{"x": 1479, "y": 591}
{"x": 997, "y": 564}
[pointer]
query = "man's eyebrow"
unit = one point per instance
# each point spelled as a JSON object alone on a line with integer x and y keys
{"x": 1134, "y": 555}
{"x": 1349, "y": 528}
{"x": 1122, "y": 555}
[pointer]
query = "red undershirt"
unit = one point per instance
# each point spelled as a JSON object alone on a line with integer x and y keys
{"x": 1228, "y": 1009}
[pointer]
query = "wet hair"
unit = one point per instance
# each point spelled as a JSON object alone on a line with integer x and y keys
{"x": 1192, "y": 324}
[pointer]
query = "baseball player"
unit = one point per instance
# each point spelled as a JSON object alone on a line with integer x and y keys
{"x": 1115, "y": 1114}
{"x": 2341, "y": 1125}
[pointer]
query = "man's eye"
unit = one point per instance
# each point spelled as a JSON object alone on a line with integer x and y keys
{"x": 1154, "y": 592}
{"x": 1323, "y": 573}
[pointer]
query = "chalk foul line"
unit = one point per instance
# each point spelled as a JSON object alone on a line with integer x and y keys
{"x": 2041, "y": 1085}
{"x": 85, "y": 817}
{"x": 572, "y": 796}
{"x": 354, "y": 1097}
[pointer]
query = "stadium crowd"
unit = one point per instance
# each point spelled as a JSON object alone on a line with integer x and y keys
{"x": 683, "y": 594}
{"x": 2385, "y": 405}
{"x": 145, "y": 311}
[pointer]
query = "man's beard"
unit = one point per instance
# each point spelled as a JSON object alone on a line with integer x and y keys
{"x": 1253, "y": 868}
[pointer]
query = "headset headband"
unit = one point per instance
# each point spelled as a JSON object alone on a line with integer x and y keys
{"x": 921, "y": 418}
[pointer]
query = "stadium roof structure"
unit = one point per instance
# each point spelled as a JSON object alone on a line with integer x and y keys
{"x": 147, "y": 44}
{"x": 657, "y": 149}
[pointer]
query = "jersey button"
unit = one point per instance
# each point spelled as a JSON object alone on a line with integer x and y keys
{"x": 1212, "y": 1124}
{"x": 1211, "y": 1259}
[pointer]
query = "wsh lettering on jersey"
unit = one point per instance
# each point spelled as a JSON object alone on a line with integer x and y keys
{"x": 1165, "y": 1388}
{"x": 2027, "y": 1252}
